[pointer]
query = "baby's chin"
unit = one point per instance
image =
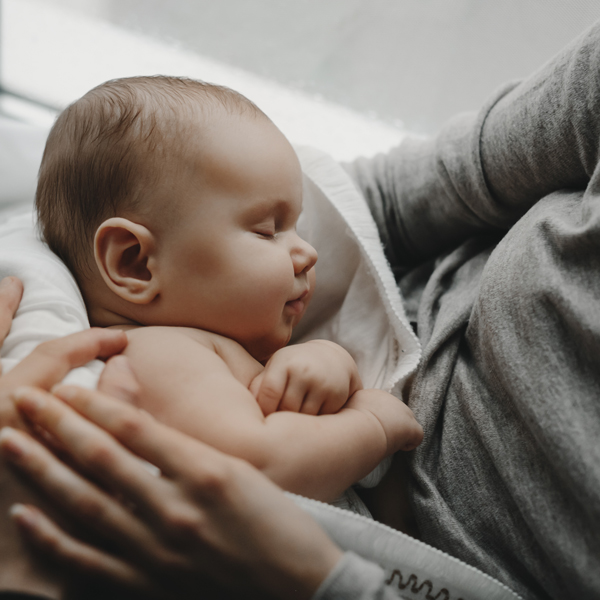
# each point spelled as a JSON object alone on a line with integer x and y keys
{"x": 263, "y": 349}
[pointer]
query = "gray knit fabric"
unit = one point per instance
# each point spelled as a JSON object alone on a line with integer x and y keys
{"x": 493, "y": 229}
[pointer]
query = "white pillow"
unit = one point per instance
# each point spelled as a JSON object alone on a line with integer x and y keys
{"x": 52, "y": 305}
{"x": 21, "y": 148}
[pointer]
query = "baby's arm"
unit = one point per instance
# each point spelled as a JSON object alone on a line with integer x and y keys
{"x": 332, "y": 452}
{"x": 313, "y": 378}
{"x": 188, "y": 386}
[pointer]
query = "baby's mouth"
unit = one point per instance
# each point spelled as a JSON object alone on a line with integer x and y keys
{"x": 297, "y": 305}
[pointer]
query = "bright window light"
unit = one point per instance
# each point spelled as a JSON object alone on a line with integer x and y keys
{"x": 55, "y": 55}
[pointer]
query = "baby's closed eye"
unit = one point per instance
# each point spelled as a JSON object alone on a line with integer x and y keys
{"x": 268, "y": 235}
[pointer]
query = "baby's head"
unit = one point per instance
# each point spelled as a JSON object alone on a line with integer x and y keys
{"x": 174, "y": 202}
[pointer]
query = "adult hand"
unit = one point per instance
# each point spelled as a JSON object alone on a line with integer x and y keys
{"x": 46, "y": 366}
{"x": 11, "y": 291}
{"x": 207, "y": 517}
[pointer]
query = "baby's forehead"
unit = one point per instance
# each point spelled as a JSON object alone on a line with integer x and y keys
{"x": 199, "y": 138}
{"x": 191, "y": 129}
{"x": 221, "y": 143}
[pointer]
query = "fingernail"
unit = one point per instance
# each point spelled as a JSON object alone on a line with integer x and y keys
{"x": 28, "y": 398}
{"x": 22, "y": 514}
{"x": 9, "y": 443}
{"x": 152, "y": 469}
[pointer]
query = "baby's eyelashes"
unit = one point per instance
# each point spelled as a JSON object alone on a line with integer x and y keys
{"x": 266, "y": 228}
{"x": 266, "y": 235}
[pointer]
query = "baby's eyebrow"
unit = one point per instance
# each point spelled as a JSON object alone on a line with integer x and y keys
{"x": 264, "y": 208}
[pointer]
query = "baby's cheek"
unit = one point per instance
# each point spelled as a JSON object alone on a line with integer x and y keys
{"x": 312, "y": 282}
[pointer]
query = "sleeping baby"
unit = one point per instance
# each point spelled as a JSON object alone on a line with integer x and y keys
{"x": 174, "y": 203}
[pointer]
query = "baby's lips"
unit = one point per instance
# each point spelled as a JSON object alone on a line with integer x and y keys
{"x": 300, "y": 297}
{"x": 295, "y": 306}
{"x": 298, "y": 304}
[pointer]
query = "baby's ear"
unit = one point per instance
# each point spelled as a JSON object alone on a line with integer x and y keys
{"x": 124, "y": 253}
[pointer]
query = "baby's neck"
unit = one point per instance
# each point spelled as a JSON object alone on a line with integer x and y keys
{"x": 105, "y": 310}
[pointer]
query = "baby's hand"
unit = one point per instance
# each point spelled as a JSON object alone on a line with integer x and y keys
{"x": 313, "y": 378}
{"x": 398, "y": 423}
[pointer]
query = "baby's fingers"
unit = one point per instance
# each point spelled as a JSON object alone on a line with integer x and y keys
{"x": 295, "y": 394}
{"x": 268, "y": 388}
{"x": 57, "y": 545}
{"x": 414, "y": 436}
{"x": 313, "y": 401}
{"x": 410, "y": 434}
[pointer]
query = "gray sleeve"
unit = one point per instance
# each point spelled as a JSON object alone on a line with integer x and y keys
{"x": 416, "y": 195}
{"x": 355, "y": 578}
{"x": 485, "y": 170}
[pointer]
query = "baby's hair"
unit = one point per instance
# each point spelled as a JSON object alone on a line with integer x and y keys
{"x": 104, "y": 152}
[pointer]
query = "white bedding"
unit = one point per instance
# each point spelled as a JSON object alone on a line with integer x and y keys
{"x": 356, "y": 304}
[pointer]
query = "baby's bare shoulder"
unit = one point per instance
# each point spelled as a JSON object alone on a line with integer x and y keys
{"x": 175, "y": 339}
{"x": 159, "y": 334}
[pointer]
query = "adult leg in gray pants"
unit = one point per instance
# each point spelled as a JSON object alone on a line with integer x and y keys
{"x": 493, "y": 228}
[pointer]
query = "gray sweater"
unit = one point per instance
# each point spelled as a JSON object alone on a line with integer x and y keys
{"x": 493, "y": 230}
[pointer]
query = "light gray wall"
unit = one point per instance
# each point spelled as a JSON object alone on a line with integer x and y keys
{"x": 417, "y": 61}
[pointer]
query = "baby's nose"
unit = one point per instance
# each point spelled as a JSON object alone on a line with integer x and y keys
{"x": 304, "y": 256}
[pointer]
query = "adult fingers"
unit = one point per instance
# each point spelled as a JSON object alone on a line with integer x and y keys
{"x": 51, "y": 361}
{"x": 118, "y": 380}
{"x": 11, "y": 290}
{"x": 93, "y": 449}
{"x": 80, "y": 499}
{"x": 46, "y": 536}
{"x": 86, "y": 435}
